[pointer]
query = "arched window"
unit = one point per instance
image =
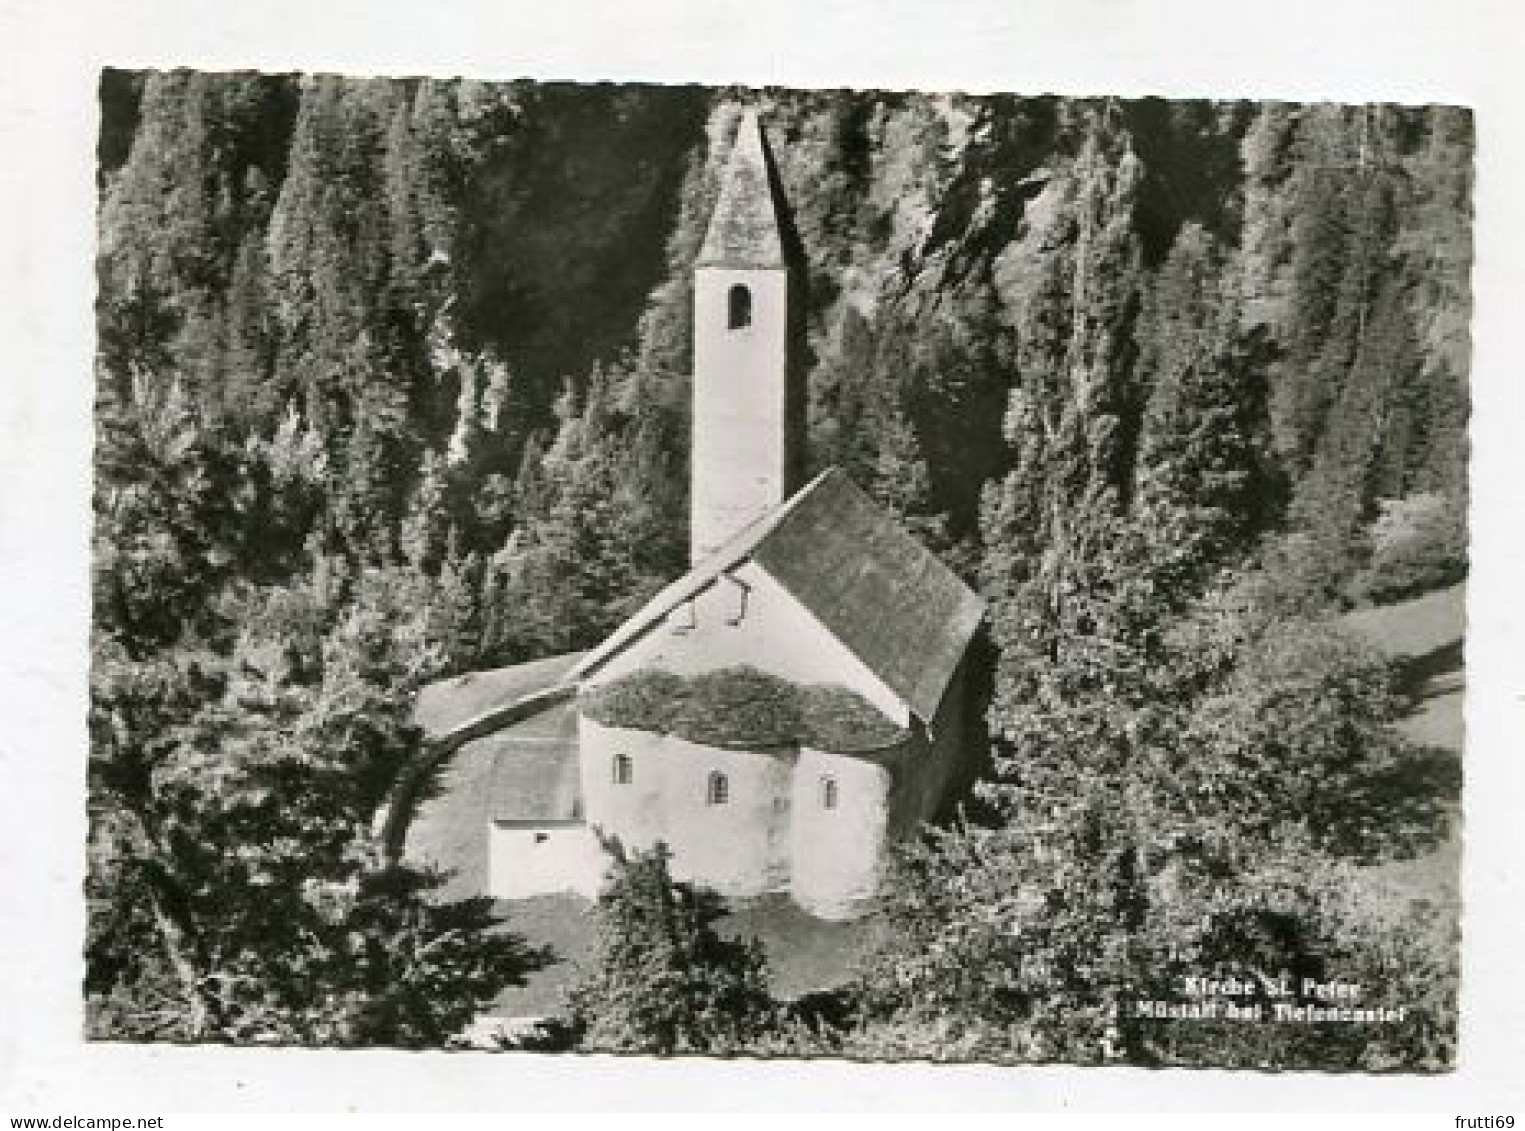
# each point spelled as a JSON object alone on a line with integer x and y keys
{"x": 828, "y": 793}
{"x": 739, "y": 308}
{"x": 623, "y": 771}
{"x": 718, "y": 791}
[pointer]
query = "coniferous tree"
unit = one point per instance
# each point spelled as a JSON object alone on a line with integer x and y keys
{"x": 234, "y": 854}
{"x": 1204, "y": 486}
{"x": 662, "y": 980}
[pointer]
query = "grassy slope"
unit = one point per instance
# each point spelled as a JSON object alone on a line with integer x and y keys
{"x": 1425, "y": 635}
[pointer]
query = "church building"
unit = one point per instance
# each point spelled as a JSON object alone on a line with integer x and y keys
{"x": 779, "y": 714}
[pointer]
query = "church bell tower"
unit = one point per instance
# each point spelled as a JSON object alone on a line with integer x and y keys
{"x": 741, "y": 453}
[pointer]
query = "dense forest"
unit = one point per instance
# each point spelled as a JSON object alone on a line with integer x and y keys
{"x": 392, "y": 384}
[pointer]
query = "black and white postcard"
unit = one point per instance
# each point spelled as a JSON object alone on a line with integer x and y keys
{"x": 689, "y": 565}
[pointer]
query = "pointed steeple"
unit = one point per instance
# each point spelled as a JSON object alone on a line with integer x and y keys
{"x": 744, "y": 437}
{"x": 744, "y": 229}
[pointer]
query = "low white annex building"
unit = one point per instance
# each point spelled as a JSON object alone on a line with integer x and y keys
{"x": 777, "y": 715}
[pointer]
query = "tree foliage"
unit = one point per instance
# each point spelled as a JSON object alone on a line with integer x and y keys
{"x": 662, "y": 980}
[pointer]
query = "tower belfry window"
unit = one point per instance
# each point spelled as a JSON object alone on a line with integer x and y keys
{"x": 717, "y": 789}
{"x": 739, "y": 308}
{"x": 828, "y": 793}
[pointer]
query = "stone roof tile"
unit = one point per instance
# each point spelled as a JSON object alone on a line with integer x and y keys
{"x": 879, "y": 591}
{"x": 535, "y": 773}
{"x": 744, "y": 230}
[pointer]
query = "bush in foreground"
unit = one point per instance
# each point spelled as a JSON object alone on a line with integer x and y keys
{"x": 662, "y": 981}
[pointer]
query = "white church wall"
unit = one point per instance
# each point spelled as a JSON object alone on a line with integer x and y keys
{"x": 836, "y": 851}
{"x": 775, "y": 633}
{"x": 631, "y": 809}
{"x": 738, "y": 846}
{"x": 543, "y": 859}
